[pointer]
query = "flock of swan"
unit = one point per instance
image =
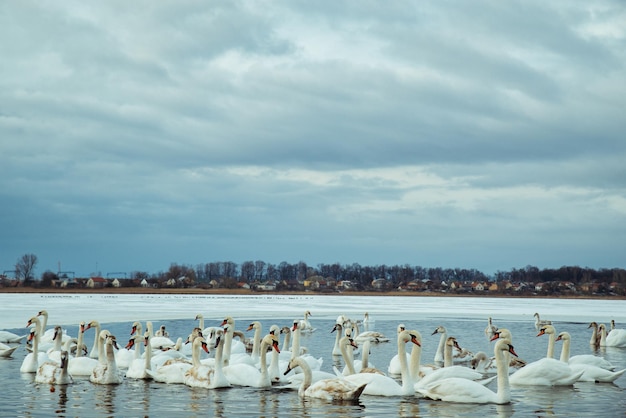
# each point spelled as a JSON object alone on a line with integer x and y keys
{"x": 222, "y": 357}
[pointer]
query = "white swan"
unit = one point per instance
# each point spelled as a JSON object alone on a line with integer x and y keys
{"x": 31, "y": 362}
{"x": 107, "y": 373}
{"x": 95, "y": 351}
{"x": 8, "y": 337}
{"x": 394, "y": 364}
{"x": 159, "y": 342}
{"x": 442, "y": 343}
{"x": 380, "y": 385}
{"x": 306, "y": 326}
{"x": 297, "y": 351}
{"x": 540, "y": 322}
{"x": 209, "y": 376}
{"x": 52, "y": 373}
{"x": 269, "y": 341}
{"x": 328, "y": 389}
{"x": 449, "y": 370}
{"x": 6, "y": 350}
{"x": 138, "y": 368}
{"x": 617, "y": 337}
{"x": 47, "y": 335}
{"x": 546, "y": 371}
{"x": 591, "y": 373}
{"x": 256, "y": 340}
{"x": 161, "y": 332}
{"x": 467, "y": 391}
{"x": 198, "y": 375}
{"x": 170, "y": 366}
{"x": 581, "y": 358}
{"x": 338, "y": 328}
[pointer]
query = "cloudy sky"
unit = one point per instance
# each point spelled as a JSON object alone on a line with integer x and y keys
{"x": 482, "y": 134}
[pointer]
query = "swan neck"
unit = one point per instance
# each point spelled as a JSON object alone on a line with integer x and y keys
{"x": 565, "y": 350}
{"x": 502, "y": 365}
{"x": 404, "y": 368}
{"x": 416, "y": 358}
{"x": 347, "y": 358}
{"x": 551, "y": 339}
{"x": 447, "y": 356}
{"x": 295, "y": 348}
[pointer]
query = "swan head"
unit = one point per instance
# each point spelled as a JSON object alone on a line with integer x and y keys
{"x": 337, "y": 327}
{"x": 411, "y": 336}
{"x": 31, "y": 335}
{"x": 563, "y": 336}
{"x": 593, "y": 324}
{"x": 285, "y": 330}
{"x": 452, "y": 342}
{"x": 505, "y": 345}
{"x": 274, "y": 329}
{"x": 347, "y": 341}
{"x": 110, "y": 340}
{"x": 400, "y": 328}
{"x": 64, "y": 358}
{"x": 43, "y": 312}
{"x": 254, "y": 325}
{"x": 272, "y": 341}
{"x": 199, "y": 316}
{"x": 501, "y": 333}
{"x": 32, "y": 321}
{"x": 546, "y": 329}
{"x": 439, "y": 330}
{"x": 479, "y": 357}
{"x": 93, "y": 324}
{"x": 57, "y": 332}
{"x": 228, "y": 320}
{"x": 131, "y": 342}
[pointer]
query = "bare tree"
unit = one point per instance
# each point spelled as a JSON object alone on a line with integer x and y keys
{"x": 25, "y": 267}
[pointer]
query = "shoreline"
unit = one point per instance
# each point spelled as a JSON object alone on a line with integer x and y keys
{"x": 196, "y": 291}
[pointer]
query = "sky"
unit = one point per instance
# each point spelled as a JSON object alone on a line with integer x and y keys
{"x": 484, "y": 134}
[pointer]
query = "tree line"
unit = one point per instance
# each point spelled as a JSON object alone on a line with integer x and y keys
{"x": 231, "y": 274}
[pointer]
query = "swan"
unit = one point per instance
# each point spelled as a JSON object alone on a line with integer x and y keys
{"x": 380, "y": 385}
{"x": 516, "y": 362}
{"x": 595, "y": 336}
{"x": 467, "y": 391}
{"x": 198, "y": 375}
{"x": 107, "y": 373}
{"x": 490, "y": 329}
{"x": 591, "y": 373}
{"x": 31, "y": 362}
{"x": 256, "y": 340}
{"x": 617, "y": 337}
{"x": 442, "y": 343}
{"x": 339, "y": 329}
{"x": 328, "y": 389}
{"x": 47, "y": 335}
{"x": 297, "y": 351}
{"x": 161, "y": 332}
{"x": 581, "y": 358}
{"x": 80, "y": 365}
{"x": 394, "y": 364}
{"x": 170, "y": 366}
{"x": 346, "y": 345}
{"x": 7, "y": 351}
{"x": 11, "y": 338}
{"x": 546, "y": 371}
{"x": 540, "y": 322}
{"x": 306, "y": 326}
{"x": 270, "y": 340}
{"x": 159, "y": 342}
{"x": 138, "y": 368}
{"x": 52, "y": 373}
{"x": 95, "y": 352}
{"x": 449, "y": 370}
{"x": 203, "y": 375}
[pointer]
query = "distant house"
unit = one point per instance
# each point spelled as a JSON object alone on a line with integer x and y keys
{"x": 115, "y": 283}
{"x": 96, "y": 282}
{"x": 144, "y": 283}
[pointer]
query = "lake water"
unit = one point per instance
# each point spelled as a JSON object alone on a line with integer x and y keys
{"x": 465, "y": 318}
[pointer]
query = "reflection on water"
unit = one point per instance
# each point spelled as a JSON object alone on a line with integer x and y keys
{"x": 104, "y": 398}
